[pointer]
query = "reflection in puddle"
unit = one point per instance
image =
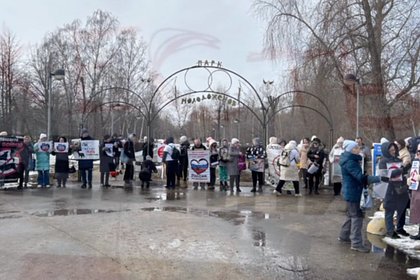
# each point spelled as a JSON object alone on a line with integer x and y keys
{"x": 167, "y": 196}
{"x": 235, "y": 217}
{"x": 259, "y": 238}
{"x": 70, "y": 212}
{"x": 10, "y": 217}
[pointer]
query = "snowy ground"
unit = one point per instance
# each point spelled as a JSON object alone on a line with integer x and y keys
{"x": 405, "y": 244}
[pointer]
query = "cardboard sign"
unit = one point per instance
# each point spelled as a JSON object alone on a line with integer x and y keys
{"x": 10, "y": 148}
{"x": 199, "y": 166}
{"x": 109, "y": 149}
{"x": 60, "y": 147}
{"x": 45, "y": 147}
{"x": 376, "y": 156}
{"x": 87, "y": 150}
{"x": 415, "y": 169}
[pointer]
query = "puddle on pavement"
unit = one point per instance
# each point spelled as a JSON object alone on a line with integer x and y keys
{"x": 234, "y": 216}
{"x": 70, "y": 212}
{"x": 167, "y": 196}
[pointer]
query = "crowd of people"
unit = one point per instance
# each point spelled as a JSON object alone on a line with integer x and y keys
{"x": 306, "y": 162}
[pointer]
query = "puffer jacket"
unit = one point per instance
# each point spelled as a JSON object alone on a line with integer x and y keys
{"x": 42, "y": 159}
{"x": 396, "y": 197}
{"x": 353, "y": 179}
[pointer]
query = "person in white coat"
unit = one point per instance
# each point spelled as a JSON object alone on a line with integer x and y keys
{"x": 289, "y": 170}
{"x": 334, "y": 158}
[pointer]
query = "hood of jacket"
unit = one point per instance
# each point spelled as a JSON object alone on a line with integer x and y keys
{"x": 385, "y": 150}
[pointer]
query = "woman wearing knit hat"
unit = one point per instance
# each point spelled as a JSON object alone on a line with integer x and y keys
{"x": 256, "y": 156}
{"x": 334, "y": 158}
{"x": 42, "y": 162}
{"x": 354, "y": 181}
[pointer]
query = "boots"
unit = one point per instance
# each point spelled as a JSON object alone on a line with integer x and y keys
{"x": 260, "y": 189}
{"x": 416, "y": 237}
{"x": 254, "y": 189}
{"x": 238, "y": 189}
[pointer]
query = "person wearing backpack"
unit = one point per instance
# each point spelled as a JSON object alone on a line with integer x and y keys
{"x": 170, "y": 158}
{"x": 289, "y": 171}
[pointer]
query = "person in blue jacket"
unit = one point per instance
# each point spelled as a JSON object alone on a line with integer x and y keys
{"x": 354, "y": 181}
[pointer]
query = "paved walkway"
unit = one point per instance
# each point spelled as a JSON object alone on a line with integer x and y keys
{"x": 184, "y": 234}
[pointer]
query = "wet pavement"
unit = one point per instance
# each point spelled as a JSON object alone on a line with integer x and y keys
{"x": 115, "y": 233}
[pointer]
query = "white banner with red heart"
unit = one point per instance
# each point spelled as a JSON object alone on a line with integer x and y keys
{"x": 199, "y": 166}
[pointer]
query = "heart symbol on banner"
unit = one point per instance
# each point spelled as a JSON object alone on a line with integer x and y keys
{"x": 199, "y": 166}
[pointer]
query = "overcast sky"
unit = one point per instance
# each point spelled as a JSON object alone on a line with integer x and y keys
{"x": 223, "y": 30}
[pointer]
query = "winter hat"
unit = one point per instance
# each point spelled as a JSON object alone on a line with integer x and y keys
{"x": 42, "y": 135}
{"x": 273, "y": 140}
{"x": 234, "y": 140}
{"x": 293, "y": 144}
{"x": 3, "y": 133}
{"x": 313, "y": 137}
{"x": 340, "y": 140}
{"x": 316, "y": 140}
{"x": 170, "y": 140}
{"x": 349, "y": 145}
{"x": 84, "y": 130}
{"x": 183, "y": 139}
{"x": 256, "y": 141}
{"x": 383, "y": 140}
{"x": 212, "y": 141}
{"x": 145, "y": 139}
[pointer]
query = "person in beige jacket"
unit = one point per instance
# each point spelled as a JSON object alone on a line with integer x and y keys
{"x": 403, "y": 153}
{"x": 303, "y": 154}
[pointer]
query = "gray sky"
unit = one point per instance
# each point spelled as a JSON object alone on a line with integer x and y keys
{"x": 179, "y": 32}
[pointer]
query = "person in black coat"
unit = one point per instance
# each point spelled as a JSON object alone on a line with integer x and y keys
{"x": 316, "y": 155}
{"x": 148, "y": 148}
{"x": 147, "y": 167}
{"x": 61, "y": 164}
{"x": 396, "y": 196}
{"x": 130, "y": 153}
{"x": 183, "y": 158}
{"x": 106, "y": 160}
{"x": 86, "y": 165}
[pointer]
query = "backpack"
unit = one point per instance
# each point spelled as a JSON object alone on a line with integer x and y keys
{"x": 175, "y": 153}
{"x": 284, "y": 159}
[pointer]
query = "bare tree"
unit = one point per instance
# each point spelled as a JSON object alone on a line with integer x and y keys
{"x": 377, "y": 40}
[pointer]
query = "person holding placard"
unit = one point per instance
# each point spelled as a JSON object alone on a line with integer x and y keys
{"x": 42, "y": 151}
{"x": 106, "y": 160}
{"x": 61, "y": 168}
{"x": 86, "y": 165}
{"x": 413, "y": 182}
{"x": 396, "y": 197}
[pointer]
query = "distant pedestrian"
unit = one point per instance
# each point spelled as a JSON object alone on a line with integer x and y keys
{"x": 316, "y": 156}
{"x": 62, "y": 168}
{"x": 214, "y": 163}
{"x": 86, "y": 165}
{"x": 145, "y": 175}
{"x": 198, "y": 146}
{"x": 289, "y": 172}
{"x": 170, "y": 158}
{"x": 256, "y": 156}
{"x": 27, "y": 162}
{"x": 232, "y": 165}
{"x": 334, "y": 158}
{"x": 183, "y": 158}
{"x": 106, "y": 160}
{"x": 42, "y": 162}
{"x": 129, "y": 152}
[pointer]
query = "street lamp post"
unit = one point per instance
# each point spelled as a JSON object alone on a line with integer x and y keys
{"x": 351, "y": 80}
{"x": 58, "y": 75}
{"x": 238, "y": 132}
